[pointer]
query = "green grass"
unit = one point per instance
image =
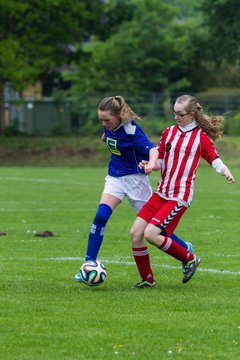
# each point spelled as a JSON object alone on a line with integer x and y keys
{"x": 46, "y": 315}
{"x": 75, "y": 151}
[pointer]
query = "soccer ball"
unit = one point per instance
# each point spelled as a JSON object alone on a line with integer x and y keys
{"x": 93, "y": 273}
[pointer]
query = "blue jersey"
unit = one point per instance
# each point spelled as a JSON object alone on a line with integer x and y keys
{"x": 128, "y": 146}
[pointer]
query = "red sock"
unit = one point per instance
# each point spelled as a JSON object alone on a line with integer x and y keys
{"x": 172, "y": 248}
{"x": 141, "y": 257}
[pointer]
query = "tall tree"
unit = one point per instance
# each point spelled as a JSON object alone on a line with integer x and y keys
{"x": 150, "y": 51}
{"x": 221, "y": 44}
{"x": 37, "y": 36}
{"x": 222, "y": 17}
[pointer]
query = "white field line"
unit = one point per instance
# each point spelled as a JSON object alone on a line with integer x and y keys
{"x": 119, "y": 262}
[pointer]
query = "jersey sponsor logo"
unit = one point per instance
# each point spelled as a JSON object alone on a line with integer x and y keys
{"x": 112, "y": 145}
{"x": 184, "y": 149}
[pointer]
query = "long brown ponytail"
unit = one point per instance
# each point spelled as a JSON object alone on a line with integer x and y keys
{"x": 211, "y": 125}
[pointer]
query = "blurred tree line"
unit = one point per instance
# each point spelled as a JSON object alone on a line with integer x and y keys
{"x": 83, "y": 48}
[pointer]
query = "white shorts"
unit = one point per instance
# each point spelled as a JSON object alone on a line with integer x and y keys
{"x": 136, "y": 187}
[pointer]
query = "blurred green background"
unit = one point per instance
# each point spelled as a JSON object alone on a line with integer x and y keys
{"x": 59, "y": 58}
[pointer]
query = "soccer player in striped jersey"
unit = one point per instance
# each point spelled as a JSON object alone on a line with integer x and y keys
{"x": 128, "y": 145}
{"x": 177, "y": 156}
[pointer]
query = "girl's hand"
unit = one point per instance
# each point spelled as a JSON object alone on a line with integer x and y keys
{"x": 227, "y": 173}
{"x": 142, "y": 164}
{"x": 146, "y": 166}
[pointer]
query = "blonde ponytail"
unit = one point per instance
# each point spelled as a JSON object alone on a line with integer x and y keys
{"x": 118, "y": 105}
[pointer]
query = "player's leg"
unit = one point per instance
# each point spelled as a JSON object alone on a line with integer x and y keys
{"x": 141, "y": 255}
{"x": 172, "y": 248}
{"x": 139, "y": 191}
{"x": 106, "y": 206}
{"x": 164, "y": 222}
{"x": 187, "y": 245}
{"x": 111, "y": 197}
{"x": 139, "y": 248}
{"x": 95, "y": 237}
{"x": 179, "y": 241}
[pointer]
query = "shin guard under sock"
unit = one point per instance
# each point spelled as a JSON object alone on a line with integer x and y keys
{"x": 141, "y": 257}
{"x": 96, "y": 234}
{"x": 172, "y": 248}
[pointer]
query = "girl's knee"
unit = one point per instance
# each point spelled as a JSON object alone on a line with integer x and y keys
{"x": 152, "y": 233}
{"x": 103, "y": 214}
{"x": 136, "y": 237}
{"x": 148, "y": 234}
{"x": 134, "y": 232}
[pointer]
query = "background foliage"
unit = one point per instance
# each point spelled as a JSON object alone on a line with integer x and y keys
{"x": 80, "y": 48}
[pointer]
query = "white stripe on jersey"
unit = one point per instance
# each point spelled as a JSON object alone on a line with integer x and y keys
{"x": 164, "y": 164}
{"x": 188, "y": 167}
{"x": 180, "y": 163}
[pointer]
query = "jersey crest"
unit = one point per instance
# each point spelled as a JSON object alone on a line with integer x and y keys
{"x": 112, "y": 146}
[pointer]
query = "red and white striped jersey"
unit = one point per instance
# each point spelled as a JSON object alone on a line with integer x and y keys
{"x": 180, "y": 153}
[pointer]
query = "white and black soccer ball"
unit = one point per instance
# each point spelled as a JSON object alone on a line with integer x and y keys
{"x": 93, "y": 273}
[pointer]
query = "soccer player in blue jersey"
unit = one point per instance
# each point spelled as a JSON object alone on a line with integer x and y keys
{"x": 128, "y": 146}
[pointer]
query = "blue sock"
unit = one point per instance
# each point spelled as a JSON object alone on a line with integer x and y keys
{"x": 178, "y": 240}
{"x": 96, "y": 234}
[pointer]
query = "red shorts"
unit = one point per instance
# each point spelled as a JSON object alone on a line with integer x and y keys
{"x": 162, "y": 213}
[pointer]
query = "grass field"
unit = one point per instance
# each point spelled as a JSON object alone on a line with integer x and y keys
{"x": 46, "y": 315}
